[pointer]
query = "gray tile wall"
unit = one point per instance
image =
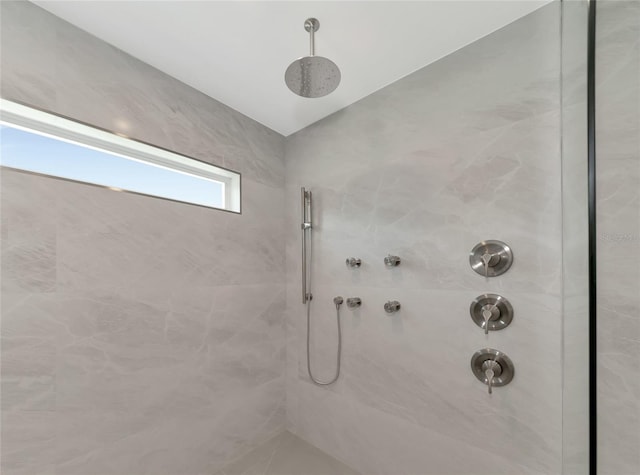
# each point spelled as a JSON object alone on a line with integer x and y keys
{"x": 464, "y": 150}
{"x": 138, "y": 335}
{"x": 618, "y": 228}
{"x": 132, "y": 345}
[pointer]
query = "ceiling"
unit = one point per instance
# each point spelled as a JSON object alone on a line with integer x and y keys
{"x": 237, "y": 51}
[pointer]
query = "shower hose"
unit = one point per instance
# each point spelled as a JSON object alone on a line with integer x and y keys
{"x": 337, "y": 301}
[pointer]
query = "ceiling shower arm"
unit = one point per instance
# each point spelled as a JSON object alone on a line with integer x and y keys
{"x": 312, "y": 25}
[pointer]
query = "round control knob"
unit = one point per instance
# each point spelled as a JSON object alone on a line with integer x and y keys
{"x": 491, "y": 258}
{"x": 491, "y": 312}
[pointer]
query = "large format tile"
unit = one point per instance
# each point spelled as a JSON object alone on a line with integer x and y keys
{"x": 139, "y": 335}
{"x": 425, "y": 169}
{"x": 287, "y": 454}
{"x": 379, "y": 444}
{"x": 618, "y": 227}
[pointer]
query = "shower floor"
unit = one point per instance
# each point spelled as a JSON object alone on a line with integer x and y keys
{"x": 287, "y": 454}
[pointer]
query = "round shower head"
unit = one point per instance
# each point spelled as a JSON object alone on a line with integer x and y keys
{"x": 312, "y": 76}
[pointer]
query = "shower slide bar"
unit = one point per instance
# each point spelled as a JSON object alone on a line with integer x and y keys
{"x": 305, "y": 197}
{"x": 307, "y": 260}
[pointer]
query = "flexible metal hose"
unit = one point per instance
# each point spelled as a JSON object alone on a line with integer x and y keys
{"x": 338, "y": 302}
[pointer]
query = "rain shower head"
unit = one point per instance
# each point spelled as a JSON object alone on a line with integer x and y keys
{"x": 312, "y": 76}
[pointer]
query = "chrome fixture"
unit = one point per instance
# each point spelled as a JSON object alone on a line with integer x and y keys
{"x": 491, "y": 312}
{"x": 312, "y": 76}
{"x": 305, "y": 197}
{"x": 353, "y": 262}
{"x": 392, "y": 306}
{"x": 492, "y": 367}
{"x": 391, "y": 261}
{"x": 491, "y": 258}
{"x": 307, "y": 252}
{"x": 354, "y": 302}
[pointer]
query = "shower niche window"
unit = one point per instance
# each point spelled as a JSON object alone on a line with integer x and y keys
{"x": 34, "y": 141}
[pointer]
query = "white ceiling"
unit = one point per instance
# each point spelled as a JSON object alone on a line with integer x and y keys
{"x": 237, "y": 51}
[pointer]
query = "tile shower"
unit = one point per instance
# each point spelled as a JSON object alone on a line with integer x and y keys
{"x": 425, "y": 169}
{"x": 141, "y": 336}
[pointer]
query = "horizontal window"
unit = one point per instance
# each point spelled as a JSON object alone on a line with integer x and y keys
{"x": 44, "y": 143}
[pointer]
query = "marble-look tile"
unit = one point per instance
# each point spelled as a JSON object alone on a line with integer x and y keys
{"x": 425, "y": 169}
{"x": 125, "y": 369}
{"x": 440, "y": 104}
{"x": 295, "y": 456}
{"x": 618, "y": 396}
{"x": 144, "y": 311}
{"x": 173, "y": 443}
{"x": 415, "y": 366}
{"x": 257, "y": 461}
{"x": 29, "y": 235}
{"x": 116, "y": 354}
{"x": 55, "y": 66}
{"x": 139, "y": 335}
{"x": 131, "y": 248}
{"x": 28, "y": 443}
{"x": 123, "y": 374}
{"x": 428, "y": 212}
{"x": 379, "y": 444}
{"x": 27, "y": 66}
{"x": 618, "y": 245}
{"x": 75, "y": 75}
{"x": 28, "y": 340}
{"x": 287, "y": 454}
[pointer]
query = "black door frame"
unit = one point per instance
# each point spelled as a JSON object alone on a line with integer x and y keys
{"x": 591, "y": 152}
